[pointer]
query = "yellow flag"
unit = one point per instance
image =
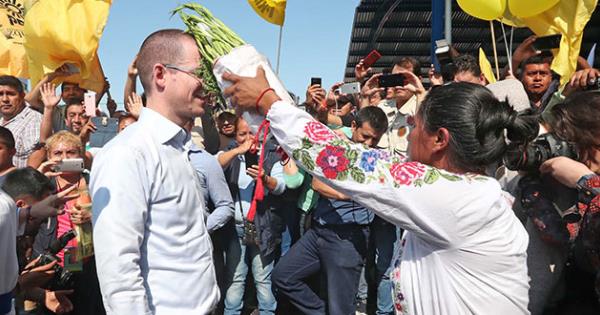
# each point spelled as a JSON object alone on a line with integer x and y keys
{"x": 568, "y": 18}
{"x": 486, "y": 67}
{"x": 271, "y": 10}
{"x": 13, "y": 60}
{"x": 66, "y": 31}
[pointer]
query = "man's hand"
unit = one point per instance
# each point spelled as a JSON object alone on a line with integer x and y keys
{"x": 111, "y": 105}
{"x": 134, "y": 105}
{"x": 79, "y": 216}
{"x": 255, "y": 172}
{"x": 315, "y": 95}
{"x": 524, "y": 51}
{"x": 360, "y": 71}
{"x": 132, "y": 70}
{"x": 62, "y": 71}
{"x": 49, "y": 97}
{"x": 582, "y": 78}
{"x": 371, "y": 87}
{"x": 38, "y": 276}
{"x": 435, "y": 77}
{"x": 52, "y": 205}
{"x": 333, "y": 95}
{"x": 412, "y": 83}
{"x": 565, "y": 170}
{"x": 244, "y": 91}
{"x": 86, "y": 131}
{"x": 58, "y": 302}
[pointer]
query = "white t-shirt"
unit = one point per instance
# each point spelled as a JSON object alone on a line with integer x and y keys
{"x": 464, "y": 251}
{"x": 9, "y": 267}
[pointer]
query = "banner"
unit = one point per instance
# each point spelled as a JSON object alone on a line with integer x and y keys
{"x": 273, "y": 11}
{"x": 61, "y": 32}
{"x": 13, "y": 60}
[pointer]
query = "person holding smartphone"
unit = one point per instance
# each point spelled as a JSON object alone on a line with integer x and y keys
{"x": 241, "y": 171}
{"x": 64, "y": 149}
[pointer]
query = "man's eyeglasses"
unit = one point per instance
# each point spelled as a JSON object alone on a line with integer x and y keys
{"x": 194, "y": 72}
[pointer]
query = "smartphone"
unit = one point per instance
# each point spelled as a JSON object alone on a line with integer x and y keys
{"x": 70, "y": 166}
{"x": 547, "y": 42}
{"x": 391, "y": 80}
{"x": 350, "y": 88}
{"x": 89, "y": 101}
{"x": 251, "y": 159}
{"x": 315, "y": 81}
{"x": 371, "y": 58}
{"x": 106, "y": 129}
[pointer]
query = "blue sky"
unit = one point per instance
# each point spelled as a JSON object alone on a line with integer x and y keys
{"x": 316, "y": 36}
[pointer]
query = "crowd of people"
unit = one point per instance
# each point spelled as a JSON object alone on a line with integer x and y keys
{"x": 465, "y": 197}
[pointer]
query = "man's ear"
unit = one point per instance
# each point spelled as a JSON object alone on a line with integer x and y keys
{"x": 159, "y": 76}
{"x": 353, "y": 125}
{"x": 442, "y": 140}
{"x": 21, "y": 203}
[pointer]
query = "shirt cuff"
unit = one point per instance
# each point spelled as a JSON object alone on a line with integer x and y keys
{"x": 588, "y": 187}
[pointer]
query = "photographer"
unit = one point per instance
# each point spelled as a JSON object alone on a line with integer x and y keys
{"x": 576, "y": 120}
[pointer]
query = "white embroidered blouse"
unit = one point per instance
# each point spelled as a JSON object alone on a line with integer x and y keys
{"x": 464, "y": 251}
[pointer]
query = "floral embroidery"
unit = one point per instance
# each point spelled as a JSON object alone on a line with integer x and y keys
{"x": 368, "y": 160}
{"x": 332, "y": 161}
{"x": 318, "y": 133}
{"x": 406, "y": 173}
{"x": 341, "y": 160}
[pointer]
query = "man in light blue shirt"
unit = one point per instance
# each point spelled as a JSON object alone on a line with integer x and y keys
{"x": 152, "y": 247}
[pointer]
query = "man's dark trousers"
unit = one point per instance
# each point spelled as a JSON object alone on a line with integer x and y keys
{"x": 339, "y": 252}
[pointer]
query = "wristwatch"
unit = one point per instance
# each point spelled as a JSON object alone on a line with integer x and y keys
{"x": 586, "y": 191}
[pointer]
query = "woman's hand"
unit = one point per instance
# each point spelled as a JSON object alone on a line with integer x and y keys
{"x": 38, "y": 276}
{"x": 565, "y": 170}
{"x": 79, "y": 216}
{"x": 47, "y": 168}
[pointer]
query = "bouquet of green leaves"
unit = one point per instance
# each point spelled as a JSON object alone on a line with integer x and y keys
{"x": 214, "y": 40}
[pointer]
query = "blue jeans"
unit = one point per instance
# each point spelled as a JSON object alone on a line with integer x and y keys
{"x": 339, "y": 252}
{"x": 238, "y": 257}
{"x": 385, "y": 238}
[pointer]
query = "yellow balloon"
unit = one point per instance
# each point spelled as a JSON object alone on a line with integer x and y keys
{"x": 524, "y": 8}
{"x": 484, "y": 9}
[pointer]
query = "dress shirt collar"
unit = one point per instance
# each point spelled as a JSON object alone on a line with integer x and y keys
{"x": 164, "y": 130}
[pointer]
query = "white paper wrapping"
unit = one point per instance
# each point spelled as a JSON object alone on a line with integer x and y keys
{"x": 244, "y": 61}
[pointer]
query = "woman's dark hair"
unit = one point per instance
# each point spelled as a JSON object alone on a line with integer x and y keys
{"x": 476, "y": 122}
{"x": 577, "y": 120}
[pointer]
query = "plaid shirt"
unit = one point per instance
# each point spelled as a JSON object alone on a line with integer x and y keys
{"x": 25, "y": 127}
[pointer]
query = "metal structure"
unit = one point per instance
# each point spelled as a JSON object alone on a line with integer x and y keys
{"x": 404, "y": 28}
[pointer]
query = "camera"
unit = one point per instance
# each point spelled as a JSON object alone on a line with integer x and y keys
{"x": 593, "y": 85}
{"x": 63, "y": 279}
{"x": 529, "y": 156}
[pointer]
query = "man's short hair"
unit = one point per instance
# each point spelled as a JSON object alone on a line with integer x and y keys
{"x": 374, "y": 116}
{"x": 7, "y": 138}
{"x": 534, "y": 60}
{"x": 62, "y": 86}
{"x": 73, "y": 101}
{"x": 12, "y": 81}
{"x": 406, "y": 62}
{"x": 26, "y": 182}
{"x": 163, "y": 46}
{"x": 467, "y": 63}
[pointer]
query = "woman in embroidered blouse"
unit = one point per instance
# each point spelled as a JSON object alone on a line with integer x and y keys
{"x": 464, "y": 251}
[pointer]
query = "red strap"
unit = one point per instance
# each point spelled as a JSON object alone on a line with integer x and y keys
{"x": 259, "y": 190}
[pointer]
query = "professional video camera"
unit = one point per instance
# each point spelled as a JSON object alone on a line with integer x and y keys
{"x": 63, "y": 279}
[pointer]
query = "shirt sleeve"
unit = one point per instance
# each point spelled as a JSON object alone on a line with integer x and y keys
{"x": 424, "y": 200}
{"x": 293, "y": 181}
{"x": 219, "y": 194}
{"x": 277, "y": 173}
{"x": 121, "y": 194}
